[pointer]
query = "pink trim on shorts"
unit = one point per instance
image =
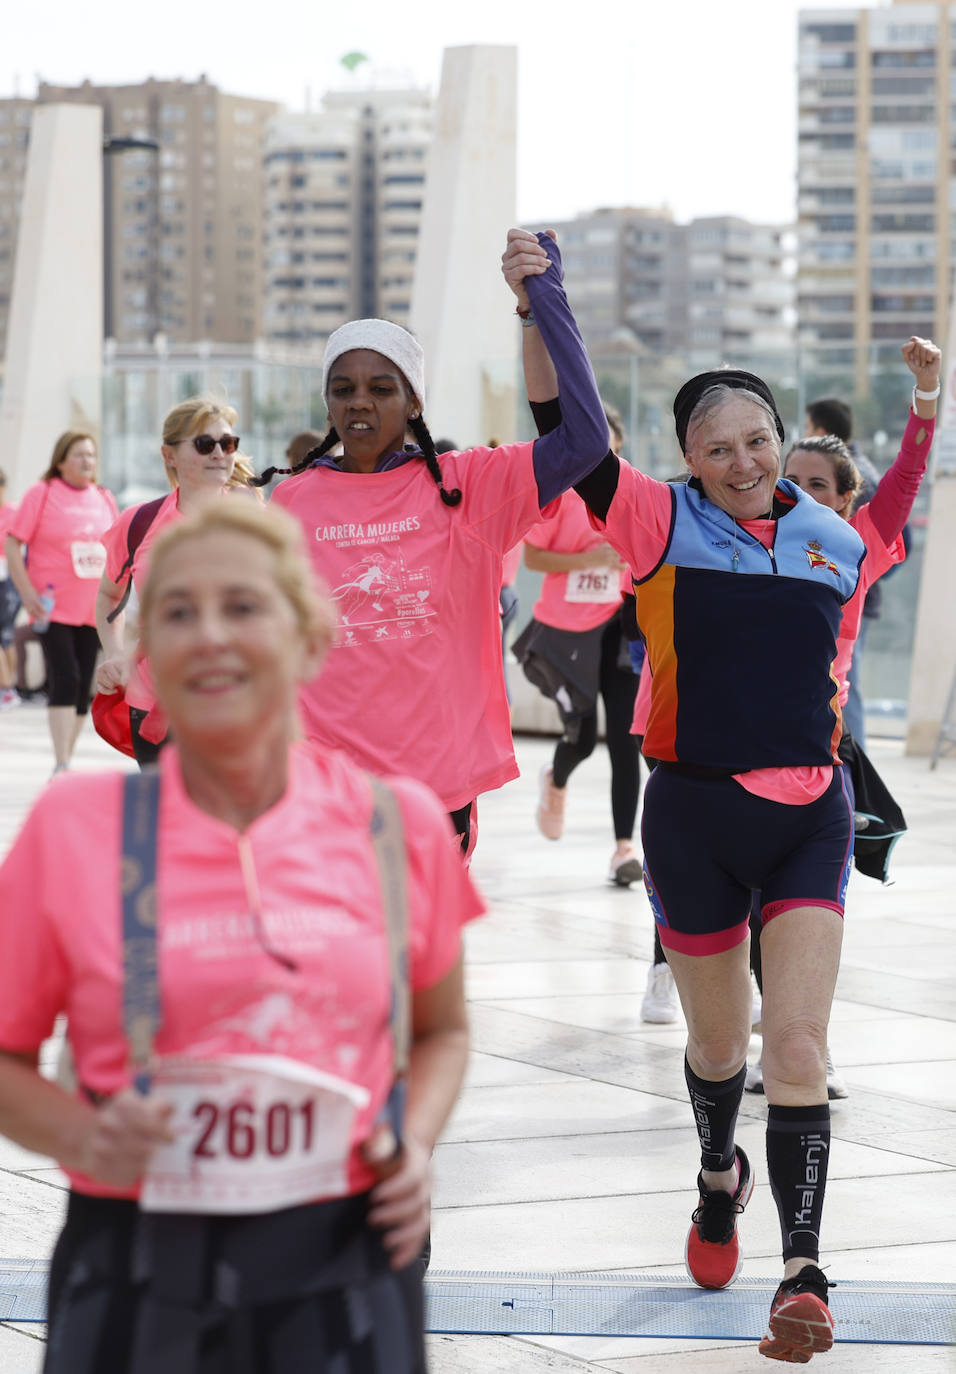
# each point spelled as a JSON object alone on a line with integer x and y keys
{"x": 773, "y": 909}
{"x": 713, "y": 942}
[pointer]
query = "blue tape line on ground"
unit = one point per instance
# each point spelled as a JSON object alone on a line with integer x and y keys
{"x": 636, "y": 1305}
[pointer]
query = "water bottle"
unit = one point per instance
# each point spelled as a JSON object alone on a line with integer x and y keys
{"x": 47, "y": 601}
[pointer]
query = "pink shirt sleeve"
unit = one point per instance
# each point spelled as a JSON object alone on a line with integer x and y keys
{"x": 24, "y": 523}
{"x": 115, "y": 543}
{"x": 499, "y": 492}
{"x": 893, "y": 499}
{"x": 34, "y": 975}
{"x": 639, "y": 520}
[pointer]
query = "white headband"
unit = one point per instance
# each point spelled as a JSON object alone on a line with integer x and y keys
{"x": 382, "y": 336}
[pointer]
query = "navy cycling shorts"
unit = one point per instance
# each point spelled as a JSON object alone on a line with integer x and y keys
{"x": 709, "y": 844}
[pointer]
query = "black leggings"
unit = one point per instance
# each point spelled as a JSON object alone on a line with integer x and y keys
{"x": 618, "y": 688}
{"x": 70, "y": 652}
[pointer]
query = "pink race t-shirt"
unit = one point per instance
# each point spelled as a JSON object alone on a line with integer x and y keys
{"x": 62, "y": 527}
{"x": 583, "y": 598}
{"x": 139, "y": 688}
{"x": 307, "y": 865}
{"x": 414, "y": 683}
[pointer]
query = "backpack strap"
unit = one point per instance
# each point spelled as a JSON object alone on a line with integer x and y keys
{"x": 388, "y": 842}
{"x": 141, "y": 1011}
{"x": 143, "y": 517}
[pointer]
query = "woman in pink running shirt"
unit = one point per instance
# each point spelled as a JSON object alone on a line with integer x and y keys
{"x": 249, "y": 1184}
{"x": 200, "y": 452}
{"x": 410, "y": 547}
{"x": 61, "y": 520}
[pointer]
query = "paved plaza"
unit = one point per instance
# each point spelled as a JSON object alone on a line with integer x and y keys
{"x": 572, "y": 1148}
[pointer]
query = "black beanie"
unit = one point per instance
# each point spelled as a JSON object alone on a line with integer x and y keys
{"x": 691, "y": 392}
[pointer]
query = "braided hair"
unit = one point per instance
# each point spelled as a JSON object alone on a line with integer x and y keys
{"x": 425, "y": 442}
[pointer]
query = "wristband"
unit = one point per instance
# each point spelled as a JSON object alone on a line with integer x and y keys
{"x": 525, "y": 316}
{"x": 925, "y": 395}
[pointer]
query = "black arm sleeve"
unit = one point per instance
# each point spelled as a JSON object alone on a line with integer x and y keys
{"x": 598, "y": 488}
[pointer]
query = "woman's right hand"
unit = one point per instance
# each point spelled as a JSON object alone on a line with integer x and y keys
{"x": 112, "y": 674}
{"x": 121, "y": 1136}
{"x": 523, "y": 257}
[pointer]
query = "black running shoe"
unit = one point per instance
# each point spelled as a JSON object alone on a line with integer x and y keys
{"x": 800, "y": 1320}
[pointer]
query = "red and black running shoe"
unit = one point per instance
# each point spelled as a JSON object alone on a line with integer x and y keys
{"x": 712, "y": 1254}
{"x": 800, "y": 1320}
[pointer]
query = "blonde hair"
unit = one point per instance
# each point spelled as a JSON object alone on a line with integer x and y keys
{"x": 191, "y": 417}
{"x": 278, "y": 532}
{"x": 62, "y": 448}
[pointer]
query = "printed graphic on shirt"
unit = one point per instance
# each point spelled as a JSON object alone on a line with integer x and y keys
{"x": 380, "y": 597}
{"x": 818, "y": 559}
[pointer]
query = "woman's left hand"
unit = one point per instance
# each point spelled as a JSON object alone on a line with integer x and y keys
{"x": 923, "y": 359}
{"x": 400, "y": 1205}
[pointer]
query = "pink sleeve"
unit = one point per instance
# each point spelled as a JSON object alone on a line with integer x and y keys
{"x": 638, "y": 523}
{"x": 115, "y": 543}
{"x": 499, "y": 492}
{"x": 24, "y": 523}
{"x": 441, "y": 895}
{"x": 891, "y": 503}
{"x": 33, "y": 970}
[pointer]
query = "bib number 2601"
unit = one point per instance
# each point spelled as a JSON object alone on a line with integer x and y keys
{"x": 240, "y": 1130}
{"x": 253, "y": 1133}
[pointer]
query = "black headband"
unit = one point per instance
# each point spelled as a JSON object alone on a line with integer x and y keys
{"x": 691, "y": 392}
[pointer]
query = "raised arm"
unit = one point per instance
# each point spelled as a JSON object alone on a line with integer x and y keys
{"x": 532, "y": 267}
{"x": 893, "y": 499}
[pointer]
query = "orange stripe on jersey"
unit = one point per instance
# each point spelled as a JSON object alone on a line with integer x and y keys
{"x": 655, "y": 615}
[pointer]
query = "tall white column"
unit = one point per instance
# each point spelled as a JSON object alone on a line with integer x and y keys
{"x": 54, "y": 356}
{"x": 462, "y": 312}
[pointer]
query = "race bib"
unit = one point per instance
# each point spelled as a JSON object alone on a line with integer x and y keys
{"x": 593, "y": 584}
{"x": 253, "y": 1133}
{"x": 89, "y": 558}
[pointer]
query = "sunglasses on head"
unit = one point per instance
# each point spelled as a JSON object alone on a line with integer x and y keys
{"x": 206, "y": 444}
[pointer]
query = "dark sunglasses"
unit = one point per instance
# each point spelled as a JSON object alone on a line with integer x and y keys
{"x": 206, "y": 444}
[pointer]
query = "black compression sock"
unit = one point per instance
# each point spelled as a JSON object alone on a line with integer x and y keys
{"x": 798, "y": 1151}
{"x": 715, "y": 1112}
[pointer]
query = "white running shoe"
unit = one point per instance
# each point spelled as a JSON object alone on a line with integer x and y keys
{"x": 660, "y": 998}
{"x": 550, "y": 812}
{"x": 835, "y": 1084}
{"x": 9, "y": 699}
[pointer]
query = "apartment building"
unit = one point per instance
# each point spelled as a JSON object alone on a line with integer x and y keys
{"x": 183, "y": 219}
{"x": 876, "y": 168}
{"x": 344, "y": 189}
{"x": 714, "y": 288}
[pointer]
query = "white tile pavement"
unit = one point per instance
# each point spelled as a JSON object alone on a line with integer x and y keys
{"x": 572, "y": 1146}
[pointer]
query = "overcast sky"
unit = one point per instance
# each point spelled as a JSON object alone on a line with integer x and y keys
{"x": 685, "y": 103}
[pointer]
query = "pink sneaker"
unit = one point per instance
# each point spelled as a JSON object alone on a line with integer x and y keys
{"x": 550, "y": 812}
